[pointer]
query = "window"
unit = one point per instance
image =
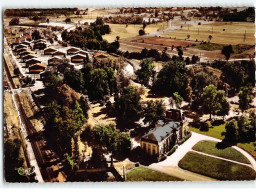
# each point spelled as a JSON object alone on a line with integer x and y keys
{"x": 154, "y": 150}
{"x": 144, "y": 146}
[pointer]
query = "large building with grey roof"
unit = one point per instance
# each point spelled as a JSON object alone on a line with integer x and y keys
{"x": 165, "y": 135}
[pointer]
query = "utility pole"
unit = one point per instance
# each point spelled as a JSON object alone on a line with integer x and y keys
{"x": 212, "y": 30}
{"x": 198, "y": 31}
{"x": 244, "y": 35}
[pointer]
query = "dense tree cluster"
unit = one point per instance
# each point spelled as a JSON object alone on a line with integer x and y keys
{"x": 91, "y": 37}
{"x": 240, "y": 130}
{"x": 115, "y": 142}
{"x": 14, "y": 21}
{"x": 214, "y": 101}
{"x": 145, "y": 73}
{"x": 128, "y": 104}
{"x": 153, "y": 112}
{"x": 238, "y": 74}
{"x": 202, "y": 79}
{"x": 124, "y": 20}
{"x": 245, "y": 97}
{"x": 171, "y": 78}
{"x": 13, "y": 160}
{"x": 247, "y": 15}
{"x": 94, "y": 82}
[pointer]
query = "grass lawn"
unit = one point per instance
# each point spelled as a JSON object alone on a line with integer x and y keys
{"x": 215, "y": 131}
{"x": 216, "y": 168}
{"x": 145, "y": 174}
{"x": 209, "y": 147}
{"x": 223, "y": 32}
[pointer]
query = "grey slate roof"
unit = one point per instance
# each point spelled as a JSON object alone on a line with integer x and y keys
{"x": 160, "y": 132}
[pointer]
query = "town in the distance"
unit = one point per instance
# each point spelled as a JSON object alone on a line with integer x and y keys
{"x": 129, "y": 94}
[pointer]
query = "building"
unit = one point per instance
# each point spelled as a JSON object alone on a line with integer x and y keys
{"x": 26, "y": 43}
{"x": 72, "y": 51}
{"x": 79, "y": 58}
{"x": 28, "y": 37}
{"x": 99, "y": 55}
{"x": 165, "y": 135}
{"x": 49, "y": 51}
{"x": 20, "y": 46}
{"x": 21, "y": 50}
{"x": 54, "y": 61}
{"x": 32, "y": 61}
{"x": 40, "y": 45}
{"x": 59, "y": 53}
{"x": 37, "y": 68}
{"x": 28, "y": 57}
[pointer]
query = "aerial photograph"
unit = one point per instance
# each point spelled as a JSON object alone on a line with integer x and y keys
{"x": 129, "y": 94}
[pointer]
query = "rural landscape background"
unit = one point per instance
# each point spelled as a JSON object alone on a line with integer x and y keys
{"x": 129, "y": 94}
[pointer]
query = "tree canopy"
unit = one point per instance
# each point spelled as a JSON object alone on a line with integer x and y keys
{"x": 153, "y": 112}
{"x": 128, "y": 104}
{"x": 145, "y": 72}
{"x": 245, "y": 97}
{"x": 172, "y": 78}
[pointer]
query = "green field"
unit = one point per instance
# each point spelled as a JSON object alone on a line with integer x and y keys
{"x": 209, "y": 147}
{"x": 222, "y": 32}
{"x": 145, "y": 174}
{"x": 216, "y": 168}
{"x": 215, "y": 131}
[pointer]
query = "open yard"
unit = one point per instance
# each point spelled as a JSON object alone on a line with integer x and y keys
{"x": 216, "y": 168}
{"x": 145, "y": 174}
{"x": 222, "y": 32}
{"x": 210, "y": 147}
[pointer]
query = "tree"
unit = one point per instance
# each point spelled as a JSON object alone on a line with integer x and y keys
{"x": 75, "y": 79}
{"x": 16, "y": 71}
{"x": 36, "y": 35}
{"x": 128, "y": 105}
{"x": 145, "y": 72}
{"x": 187, "y": 60}
{"x": 141, "y": 32}
{"x": 14, "y": 21}
{"x": 224, "y": 104}
{"x": 202, "y": 79}
{"x": 231, "y": 133}
{"x": 210, "y": 38}
{"x": 153, "y": 112}
{"x": 52, "y": 81}
{"x": 180, "y": 52}
{"x": 171, "y": 78}
{"x": 245, "y": 97}
{"x": 212, "y": 100}
{"x": 227, "y": 51}
{"x": 107, "y": 136}
{"x": 178, "y": 99}
{"x": 98, "y": 84}
{"x": 13, "y": 160}
{"x": 68, "y": 20}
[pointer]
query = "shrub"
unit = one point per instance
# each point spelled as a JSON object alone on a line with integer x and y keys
{"x": 172, "y": 151}
{"x": 204, "y": 127}
{"x": 163, "y": 158}
{"x": 141, "y": 32}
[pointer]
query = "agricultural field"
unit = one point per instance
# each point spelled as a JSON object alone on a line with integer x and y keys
{"x": 131, "y": 31}
{"x": 222, "y": 33}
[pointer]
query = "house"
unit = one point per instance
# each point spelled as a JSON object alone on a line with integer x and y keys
{"x": 28, "y": 57}
{"x": 20, "y": 46}
{"x": 54, "y": 61}
{"x": 37, "y": 68}
{"x": 21, "y": 50}
{"x": 49, "y": 51}
{"x": 22, "y": 39}
{"x": 26, "y": 43}
{"x": 32, "y": 61}
{"x": 72, "y": 51}
{"x": 164, "y": 136}
{"x": 24, "y": 53}
{"x": 28, "y": 37}
{"x": 78, "y": 58}
{"x": 59, "y": 53}
{"x": 40, "y": 45}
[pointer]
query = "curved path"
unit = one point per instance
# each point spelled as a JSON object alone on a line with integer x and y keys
{"x": 170, "y": 165}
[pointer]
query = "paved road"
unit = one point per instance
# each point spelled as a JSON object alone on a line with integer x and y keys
{"x": 170, "y": 165}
